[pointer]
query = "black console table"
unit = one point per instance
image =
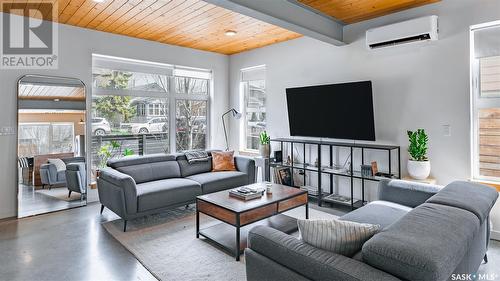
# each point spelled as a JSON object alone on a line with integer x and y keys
{"x": 321, "y": 168}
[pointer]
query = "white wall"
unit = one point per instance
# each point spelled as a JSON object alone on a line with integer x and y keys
{"x": 76, "y": 46}
{"x": 418, "y": 86}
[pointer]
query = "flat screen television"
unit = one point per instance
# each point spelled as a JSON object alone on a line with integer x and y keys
{"x": 341, "y": 111}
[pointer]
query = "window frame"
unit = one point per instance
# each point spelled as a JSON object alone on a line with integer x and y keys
{"x": 478, "y": 102}
{"x": 171, "y": 95}
{"x": 244, "y": 89}
{"x": 51, "y": 134}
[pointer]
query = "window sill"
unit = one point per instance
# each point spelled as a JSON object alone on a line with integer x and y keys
{"x": 251, "y": 153}
{"x": 495, "y": 184}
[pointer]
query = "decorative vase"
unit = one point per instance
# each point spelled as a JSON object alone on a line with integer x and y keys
{"x": 419, "y": 170}
{"x": 265, "y": 150}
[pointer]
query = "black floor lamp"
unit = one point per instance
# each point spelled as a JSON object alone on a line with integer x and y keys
{"x": 235, "y": 115}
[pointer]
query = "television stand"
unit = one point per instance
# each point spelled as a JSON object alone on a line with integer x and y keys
{"x": 322, "y": 168}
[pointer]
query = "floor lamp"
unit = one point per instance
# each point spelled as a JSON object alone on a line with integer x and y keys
{"x": 236, "y": 115}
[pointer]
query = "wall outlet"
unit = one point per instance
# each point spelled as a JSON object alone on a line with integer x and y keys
{"x": 447, "y": 130}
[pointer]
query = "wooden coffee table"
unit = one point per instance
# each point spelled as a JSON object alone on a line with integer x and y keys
{"x": 239, "y": 216}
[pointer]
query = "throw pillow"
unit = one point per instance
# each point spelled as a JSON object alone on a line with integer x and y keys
{"x": 223, "y": 161}
{"x": 60, "y": 165}
{"x": 341, "y": 237}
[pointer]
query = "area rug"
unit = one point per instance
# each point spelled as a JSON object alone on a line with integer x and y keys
{"x": 61, "y": 193}
{"x": 167, "y": 246}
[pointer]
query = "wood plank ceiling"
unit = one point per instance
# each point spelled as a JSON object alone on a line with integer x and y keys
{"x": 44, "y": 92}
{"x": 351, "y": 11}
{"x": 188, "y": 23}
{"x": 200, "y": 25}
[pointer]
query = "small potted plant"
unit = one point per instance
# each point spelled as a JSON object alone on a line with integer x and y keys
{"x": 419, "y": 166}
{"x": 111, "y": 150}
{"x": 265, "y": 147}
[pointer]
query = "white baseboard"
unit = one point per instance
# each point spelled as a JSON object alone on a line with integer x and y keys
{"x": 495, "y": 235}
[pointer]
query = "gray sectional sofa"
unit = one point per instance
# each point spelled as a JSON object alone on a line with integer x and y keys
{"x": 428, "y": 233}
{"x": 142, "y": 185}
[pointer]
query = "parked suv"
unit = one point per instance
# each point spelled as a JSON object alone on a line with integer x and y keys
{"x": 154, "y": 125}
{"x": 100, "y": 126}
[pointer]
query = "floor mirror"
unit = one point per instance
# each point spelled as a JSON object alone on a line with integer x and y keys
{"x": 51, "y": 147}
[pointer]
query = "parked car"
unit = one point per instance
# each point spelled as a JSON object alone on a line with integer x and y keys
{"x": 154, "y": 125}
{"x": 100, "y": 126}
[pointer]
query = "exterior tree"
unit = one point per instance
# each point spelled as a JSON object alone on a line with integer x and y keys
{"x": 191, "y": 114}
{"x": 115, "y": 109}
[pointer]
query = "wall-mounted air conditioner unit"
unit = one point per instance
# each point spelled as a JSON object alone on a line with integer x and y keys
{"x": 415, "y": 30}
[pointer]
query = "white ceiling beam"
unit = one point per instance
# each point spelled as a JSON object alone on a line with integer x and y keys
{"x": 288, "y": 15}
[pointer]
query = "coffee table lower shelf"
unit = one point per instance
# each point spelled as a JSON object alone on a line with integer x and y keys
{"x": 224, "y": 235}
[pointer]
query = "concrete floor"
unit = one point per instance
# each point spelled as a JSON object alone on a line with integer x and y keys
{"x": 72, "y": 245}
{"x": 66, "y": 245}
{"x": 33, "y": 202}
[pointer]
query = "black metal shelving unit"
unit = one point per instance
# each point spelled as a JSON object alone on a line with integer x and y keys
{"x": 320, "y": 169}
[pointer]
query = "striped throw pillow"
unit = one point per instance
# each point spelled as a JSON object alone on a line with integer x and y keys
{"x": 341, "y": 237}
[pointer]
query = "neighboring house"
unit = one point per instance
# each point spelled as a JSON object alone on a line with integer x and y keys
{"x": 147, "y": 108}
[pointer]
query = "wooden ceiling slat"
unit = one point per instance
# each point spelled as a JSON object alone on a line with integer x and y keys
{"x": 140, "y": 17}
{"x": 102, "y": 15}
{"x": 172, "y": 15}
{"x": 145, "y": 4}
{"x": 161, "y": 18}
{"x": 149, "y": 17}
{"x": 127, "y": 7}
{"x": 225, "y": 20}
{"x": 245, "y": 29}
{"x": 351, "y": 11}
{"x": 179, "y": 19}
{"x": 200, "y": 25}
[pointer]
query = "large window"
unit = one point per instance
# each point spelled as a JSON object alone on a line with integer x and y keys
{"x": 253, "y": 85}
{"x": 45, "y": 138}
{"x": 149, "y": 107}
{"x": 485, "y": 67}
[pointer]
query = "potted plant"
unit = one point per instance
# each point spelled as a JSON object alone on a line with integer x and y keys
{"x": 111, "y": 150}
{"x": 265, "y": 147}
{"x": 419, "y": 166}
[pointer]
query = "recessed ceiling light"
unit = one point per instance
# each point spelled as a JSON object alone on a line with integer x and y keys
{"x": 98, "y": 1}
{"x": 230, "y": 32}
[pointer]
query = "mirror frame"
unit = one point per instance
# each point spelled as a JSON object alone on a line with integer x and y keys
{"x": 87, "y": 139}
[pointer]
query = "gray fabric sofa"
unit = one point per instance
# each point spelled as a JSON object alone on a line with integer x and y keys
{"x": 428, "y": 233}
{"x": 50, "y": 176}
{"x": 138, "y": 186}
{"x": 76, "y": 179}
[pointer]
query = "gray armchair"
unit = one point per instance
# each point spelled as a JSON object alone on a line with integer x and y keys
{"x": 76, "y": 178}
{"x": 50, "y": 176}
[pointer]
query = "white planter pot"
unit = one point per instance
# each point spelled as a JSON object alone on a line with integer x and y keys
{"x": 265, "y": 150}
{"x": 419, "y": 170}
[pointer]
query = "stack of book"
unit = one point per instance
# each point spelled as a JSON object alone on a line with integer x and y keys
{"x": 246, "y": 193}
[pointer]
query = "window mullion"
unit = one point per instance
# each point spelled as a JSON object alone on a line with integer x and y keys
{"x": 171, "y": 115}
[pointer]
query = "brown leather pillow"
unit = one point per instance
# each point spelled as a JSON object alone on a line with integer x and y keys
{"x": 223, "y": 161}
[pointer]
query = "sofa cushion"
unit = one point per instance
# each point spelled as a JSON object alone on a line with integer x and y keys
{"x": 217, "y": 181}
{"x": 382, "y": 213}
{"x": 61, "y": 176}
{"x": 194, "y": 168}
{"x": 148, "y": 168}
{"x": 309, "y": 261}
{"x": 475, "y": 198}
{"x": 341, "y": 237}
{"x": 426, "y": 244}
{"x": 60, "y": 165}
{"x": 163, "y": 193}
